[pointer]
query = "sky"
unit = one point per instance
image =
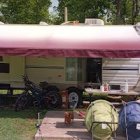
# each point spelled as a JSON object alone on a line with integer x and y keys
{"x": 54, "y": 3}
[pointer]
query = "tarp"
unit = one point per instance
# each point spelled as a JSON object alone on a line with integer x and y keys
{"x": 129, "y": 118}
{"x": 70, "y": 41}
{"x": 101, "y": 119}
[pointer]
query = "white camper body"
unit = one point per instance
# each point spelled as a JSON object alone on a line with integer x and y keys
{"x": 59, "y": 54}
{"x": 64, "y": 72}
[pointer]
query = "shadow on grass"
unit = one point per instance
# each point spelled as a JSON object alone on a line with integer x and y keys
{"x": 24, "y": 114}
{"x": 18, "y": 125}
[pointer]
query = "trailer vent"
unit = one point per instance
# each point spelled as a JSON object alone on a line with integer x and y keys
{"x": 92, "y": 21}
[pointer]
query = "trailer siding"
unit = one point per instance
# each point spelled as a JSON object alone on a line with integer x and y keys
{"x": 116, "y": 71}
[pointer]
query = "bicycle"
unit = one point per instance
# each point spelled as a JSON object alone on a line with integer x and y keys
{"x": 37, "y": 96}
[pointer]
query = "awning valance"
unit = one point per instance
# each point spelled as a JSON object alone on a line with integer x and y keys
{"x": 70, "y": 41}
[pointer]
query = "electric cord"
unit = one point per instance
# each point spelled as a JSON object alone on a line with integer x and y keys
{"x": 38, "y": 124}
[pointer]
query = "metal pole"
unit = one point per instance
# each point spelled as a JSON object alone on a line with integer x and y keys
{"x": 66, "y": 14}
{"x": 38, "y": 117}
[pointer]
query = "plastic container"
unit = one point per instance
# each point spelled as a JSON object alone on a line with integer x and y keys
{"x": 102, "y": 88}
{"x": 126, "y": 87}
{"x": 106, "y": 87}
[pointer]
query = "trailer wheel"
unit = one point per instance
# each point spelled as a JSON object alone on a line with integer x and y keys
{"x": 74, "y": 98}
{"x": 52, "y": 100}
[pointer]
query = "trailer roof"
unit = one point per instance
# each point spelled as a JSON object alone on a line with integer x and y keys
{"x": 70, "y": 41}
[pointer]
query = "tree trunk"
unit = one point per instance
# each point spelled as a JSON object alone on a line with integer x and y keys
{"x": 135, "y": 11}
{"x": 118, "y": 13}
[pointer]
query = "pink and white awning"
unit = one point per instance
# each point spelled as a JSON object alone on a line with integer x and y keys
{"x": 70, "y": 41}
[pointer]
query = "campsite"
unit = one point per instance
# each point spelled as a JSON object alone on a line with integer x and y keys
{"x": 28, "y": 57}
{"x": 72, "y": 73}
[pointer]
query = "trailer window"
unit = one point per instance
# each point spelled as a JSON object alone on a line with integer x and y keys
{"x": 79, "y": 69}
{"x": 71, "y": 69}
{"x": 94, "y": 70}
{"x": 4, "y": 68}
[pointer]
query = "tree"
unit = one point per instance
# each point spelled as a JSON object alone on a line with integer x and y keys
{"x": 126, "y": 11}
{"x": 115, "y": 11}
{"x": 81, "y": 9}
{"x": 29, "y": 11}
{"x": 135, "y": 10}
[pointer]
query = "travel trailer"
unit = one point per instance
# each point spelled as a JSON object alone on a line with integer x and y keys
{"x": 70, "y": 56}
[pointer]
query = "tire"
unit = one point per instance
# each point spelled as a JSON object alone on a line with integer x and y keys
{"x": 52, "y": 88}
{"x": 22, "y": 102}
{"x": 74, "y": 97}
{"x": 52, "y": 100}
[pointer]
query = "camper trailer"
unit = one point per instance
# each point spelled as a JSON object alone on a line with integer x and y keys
{"x": 66, "y": 72}
{"x": 70, "y": 56}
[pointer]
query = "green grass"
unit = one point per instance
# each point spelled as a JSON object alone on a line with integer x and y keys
{"x": 16, "y": 91}
{"x": 95, "y": 96}
{"x": 18, "y": 125}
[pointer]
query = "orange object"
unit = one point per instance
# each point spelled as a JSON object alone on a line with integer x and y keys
{"x": 67, "y": 117}
{"x": 64, "y": 95}
{"x": 72, "y": 115}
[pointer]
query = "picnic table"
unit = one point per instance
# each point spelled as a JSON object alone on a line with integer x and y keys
{"x": 114, "y": 92}
{"x": 114, "y": 96}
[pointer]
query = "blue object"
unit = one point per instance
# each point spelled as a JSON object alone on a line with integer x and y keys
{"x": 129, "y": 119}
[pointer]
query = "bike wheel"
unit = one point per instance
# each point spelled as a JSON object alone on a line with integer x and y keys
{"x": 52, "y": 100}
{"x": 21, "y": 102}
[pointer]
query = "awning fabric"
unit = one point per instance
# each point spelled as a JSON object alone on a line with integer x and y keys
{"x": 70, "y": 41}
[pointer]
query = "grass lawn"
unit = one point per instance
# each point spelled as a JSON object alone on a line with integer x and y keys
{"x": 18, "y": 125}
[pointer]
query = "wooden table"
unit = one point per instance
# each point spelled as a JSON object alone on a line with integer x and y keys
{"x": 113, "y": 95}
{"x": 115, "y": 92}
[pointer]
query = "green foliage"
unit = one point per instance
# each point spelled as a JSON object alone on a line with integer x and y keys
{"x": 54, "y": 19}
{"x": 125, "y": 11}
{"x": 81, "y": 9}
{"x": 34, "y": 11}
{"x": 29, "y": 11}
{"x": 114, "y": 11}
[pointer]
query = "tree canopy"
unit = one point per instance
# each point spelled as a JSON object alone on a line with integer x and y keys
{"x": 114, "y": 11}
{"x": 21, "y": 11}
{"x": 34, "y": 11}
{"x": 81, "y": 9}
